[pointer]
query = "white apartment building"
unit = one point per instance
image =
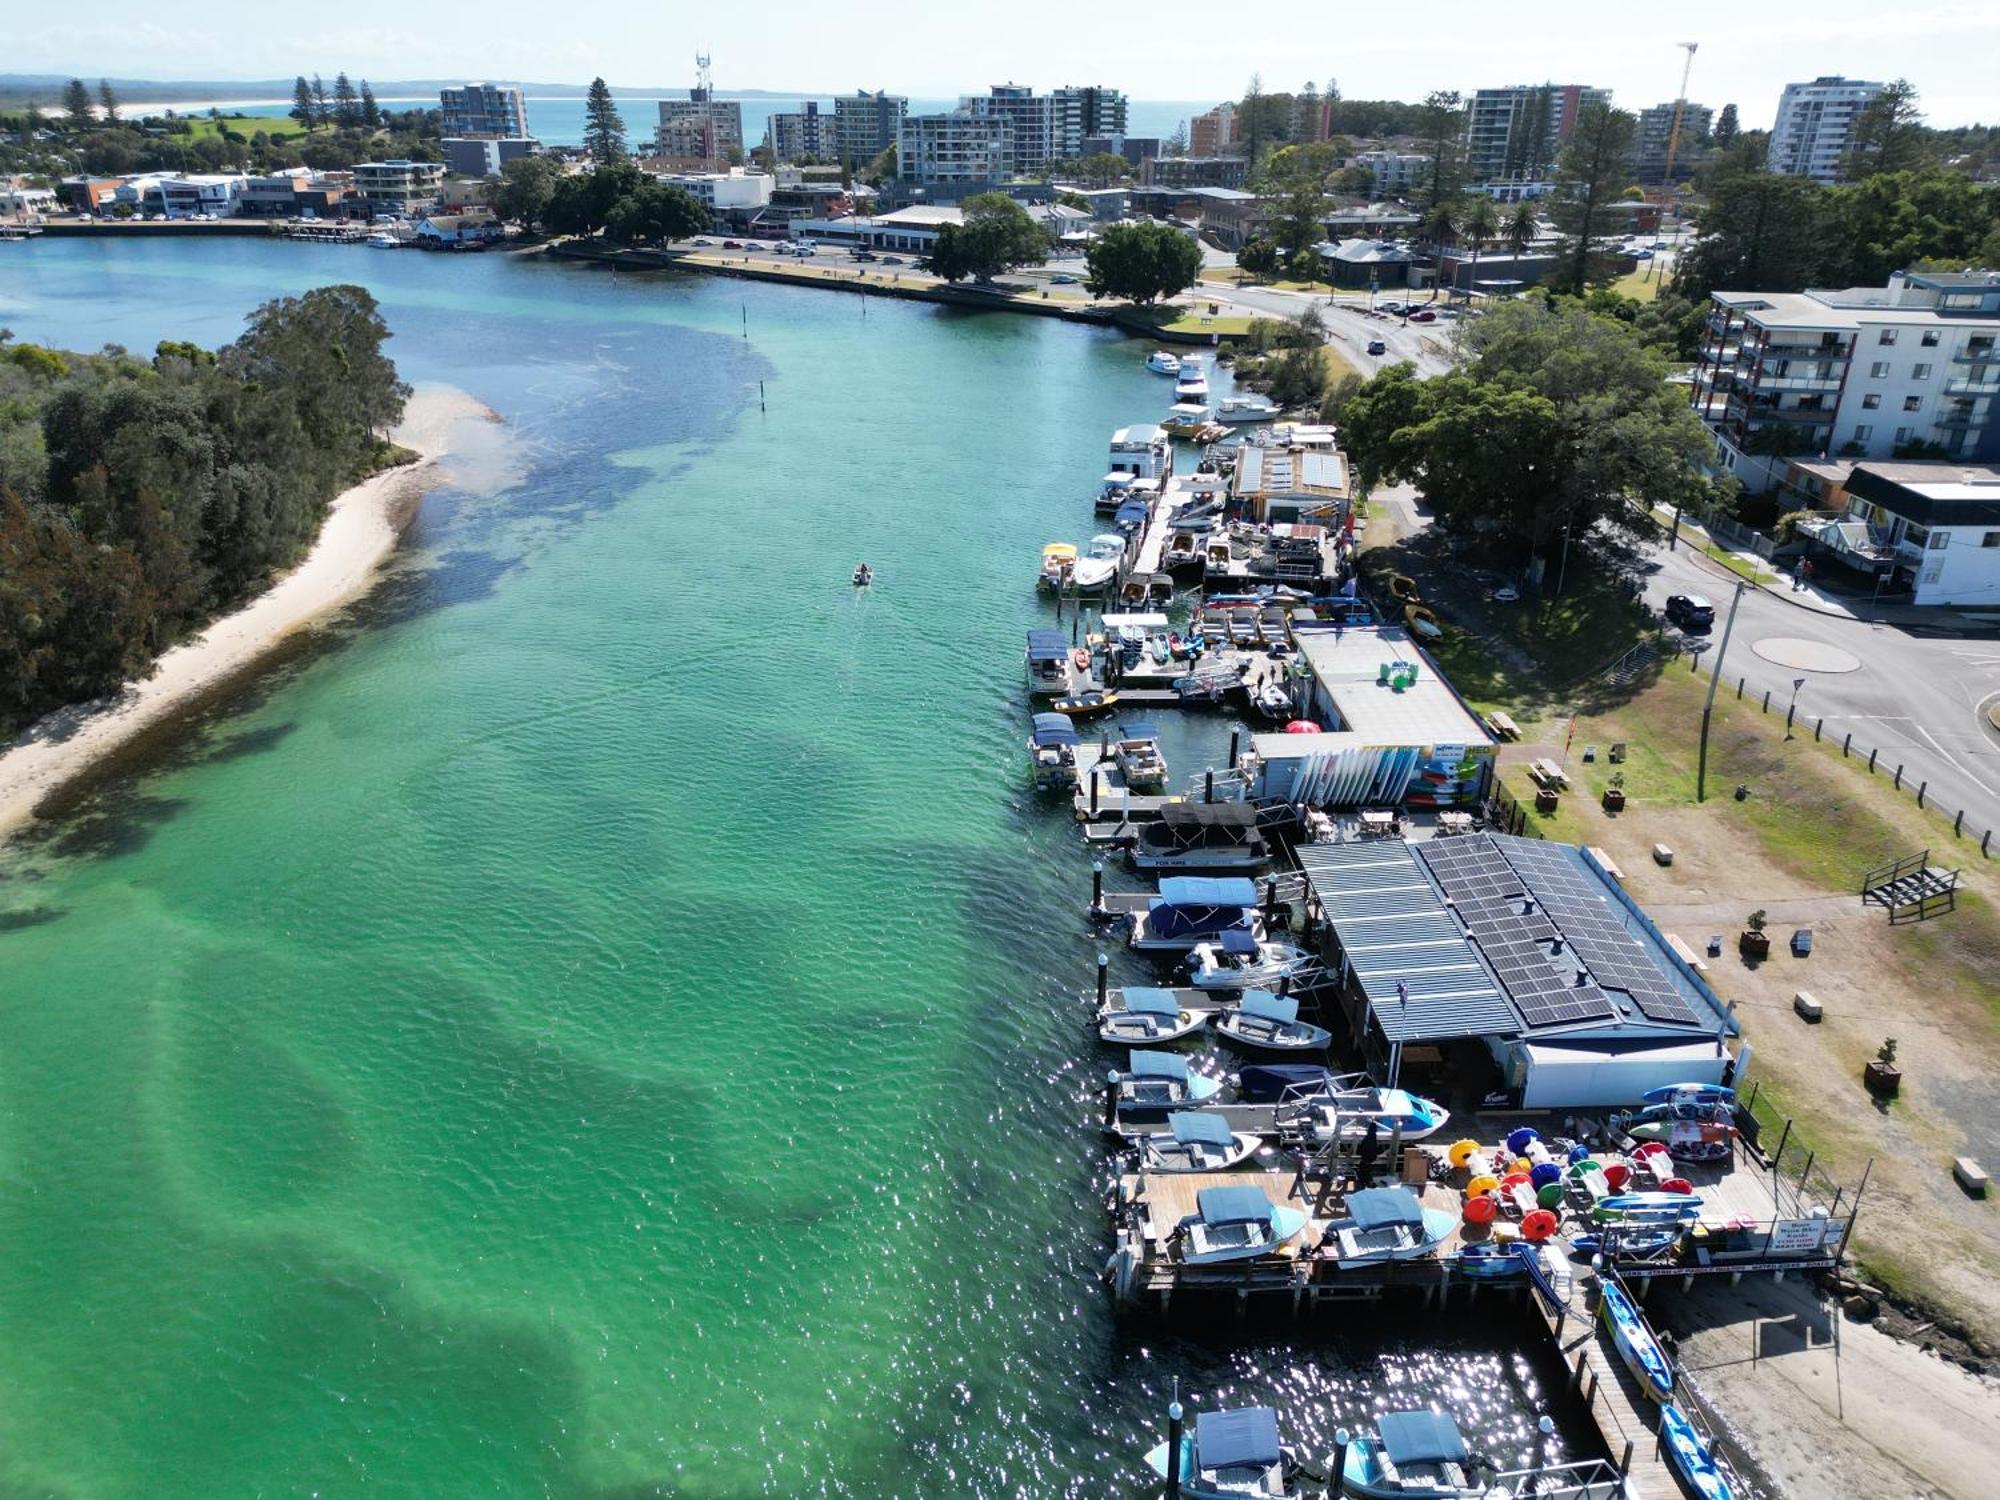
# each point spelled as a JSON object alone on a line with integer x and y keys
{"x": 483, "y": 109}
{"x": 1815, "y": 126}
{"x": 398, "y": 186}
{"x": 1518, "y": 132}
{"x": 700, "y": 128}
{"x": 724, "y": 192}
{"x": 1932, "y": 528}
{"x": 1855, "y": 373}
{"x": 960, "y": 149}
{"x": 1396, "y": 172}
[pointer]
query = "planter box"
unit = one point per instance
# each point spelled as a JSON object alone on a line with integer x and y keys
{"x": 1546, "y": 802}
{"x": 1752, "y": 944}
{"x": 1882, "y": 1079}
{"x": 1614, "y": 799}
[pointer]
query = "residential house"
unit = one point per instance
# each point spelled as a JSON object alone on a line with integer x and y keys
{"x": 1933, "y": 528}
{"x": 1396, "y": 172}
{"x": 17, "y": 197}
{"x": 1368, "y": 263}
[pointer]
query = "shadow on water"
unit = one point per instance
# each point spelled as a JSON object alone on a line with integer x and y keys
{"x": 247, "y": 743}
{"x": 33, "y": 916}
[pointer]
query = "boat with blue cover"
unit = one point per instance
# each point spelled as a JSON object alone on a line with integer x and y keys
{"x": 1051, "y": 671}
{"x": 1143, "y": 1016}
{"x": 1410, "y": 1453}
{"x": 1262, "y": 1019}
{"x": 1689, "y": 1453}
{"x": 1193, "y": 909}
{"x": 1235, "y": 1223}
{"x": 1195, "y": 1141}
{"x": 1231, "y": 1455}
{"x": 1159, "y": 1081}
{"x": 1384, "y": 1224}
{"x": 1641, "y": 1352}
{"x": 1490, "y": 1261}
{"x": 1052, "y": 751}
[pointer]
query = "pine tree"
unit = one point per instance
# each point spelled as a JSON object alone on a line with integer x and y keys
{"x": 33, "y": 122}
{"x": 604, "y": 127}
{"x": 77, "y": 106}
{"x": 346, "y": 105}
{"x": 108, "y": 100}
{"x": 1726, "y": 129}
{"x": 302, "y": 102}
{"x": 371, "y": 112}
{"x": 322, "y": 109}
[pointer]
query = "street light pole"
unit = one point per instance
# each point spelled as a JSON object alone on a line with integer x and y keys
{"x": 1708, "y": 708}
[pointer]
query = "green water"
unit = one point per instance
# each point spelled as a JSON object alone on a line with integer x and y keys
{"x": 605, "y": 1021}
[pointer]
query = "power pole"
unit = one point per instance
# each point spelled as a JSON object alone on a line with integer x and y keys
{"x": 1708, "y": 708}
{"x": 1680, "y": 104}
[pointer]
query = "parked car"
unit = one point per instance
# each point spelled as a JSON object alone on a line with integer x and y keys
{"x": 892, "y": 260}
{"x": 1690, "y": 611}
{"x": 1062, "y": 278}
{"x": 1391, "y": 307}
{"x": 1642, "y": 255}
{"x": 1423, "y": 315}
{"x": 732, "y": 244}
{"x": 1376, "y": 346}
{"x": 866, "y": 255}
{"x": 700, "y": 241}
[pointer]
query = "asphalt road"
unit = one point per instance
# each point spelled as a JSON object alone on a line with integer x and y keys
{"x": 1918, "y": 695}
{"x": 1349, "y": 329}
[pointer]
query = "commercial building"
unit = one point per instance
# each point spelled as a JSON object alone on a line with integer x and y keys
{"x": 1863, "y": 372}
{"x": 1363, "y": 264}
{"x": 1518, "y": 132}
{"x": 1396, "y": 172}
{"x": 1193, "y": 171}
{"x": 1815, "y": 126}
{"x": 962, "y": 151}
{"x": 484, "y": 156}
{"x": 1932, "y": 528}
{"x": 701, "y": 129}
{"x": 1654, "y": 132}
{"x": 483, "y": 109}
{"x": 1214, "y": 133}
{"x": 803, "y": 134}
{"x": 735, "y": 192}
{"x": 399, "y": 187}
{"x": 865, "y": 125}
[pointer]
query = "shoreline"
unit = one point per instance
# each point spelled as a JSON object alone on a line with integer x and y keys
{"x": 362, "y": 529}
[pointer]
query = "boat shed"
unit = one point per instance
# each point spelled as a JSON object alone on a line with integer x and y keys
{"x": 1510, "y": 966}
{"x": 1274, "y": 484}
{"x": 1393, "y": 730}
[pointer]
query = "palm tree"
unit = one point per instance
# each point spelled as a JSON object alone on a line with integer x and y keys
{"x": 1439, "y": 224}
{"x": 1481, "y": 220}
{"x": 1522, "y": 228}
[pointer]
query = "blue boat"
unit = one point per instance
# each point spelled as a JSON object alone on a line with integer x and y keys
{"x": 1488, "y": 1261}
{"x": 1140, "y": 1016}
{"x": 1641, "y": 1352}
{"x": 1262, "y": 1019}
{"x": 1160, "y": 1081}
{"x": 1385, "y": 1224}
{"x": 1052, "y": 748}
{"x": 1412, "y": 1453}
{"x": 1690, "y": 1093}
{"x": 1231, "y": 1455}
{"x": 1193, "y": 909}
{"x": 1235, "y": 1223}
{"x": 1688, "y": 1452}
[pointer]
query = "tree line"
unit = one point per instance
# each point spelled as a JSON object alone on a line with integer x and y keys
{"x": 139, "y": 499}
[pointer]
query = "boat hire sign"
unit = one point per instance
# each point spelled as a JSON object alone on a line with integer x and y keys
{"x": 1803, "y": 1236}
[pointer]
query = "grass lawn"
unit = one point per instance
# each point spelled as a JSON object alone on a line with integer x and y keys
{"x": 1643, "y": 284}
{"x": 244, "y": 125}
{"x": 1192, "y": 320}
{"x": 1339, "y": 365}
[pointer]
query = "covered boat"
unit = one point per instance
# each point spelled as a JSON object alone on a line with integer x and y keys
{"x": 1388, "y": 1223}
{"x": 1058, "y": 561}
{"x": 1052, "y": 751}
{"x": 1191, "y": 381}
{"x": 1145, "y": 1016}
{"x": 1236, "y": 963}
{"x": 1051, "y": 672}
{"x": 1163, "y": 362}
{"x": 1235, "y": 1223}
{"x": 1160, "y": 1081}
{"x": 1218, "y": 837}
{"x": 1641, "y": 1352}
{"x": 1262, "y": 1019}
{"x": 1411, "y": 1453}
{"x": 1193, "y": 909}
{"x": 1231, "y": 1455}
{"x": 1241, "y": 410}
{"x": 1195, "y": 1142}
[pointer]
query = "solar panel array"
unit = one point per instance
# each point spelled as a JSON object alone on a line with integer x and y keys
{"x": 1515, "y": 937}
{"x": 1614, "y": 957}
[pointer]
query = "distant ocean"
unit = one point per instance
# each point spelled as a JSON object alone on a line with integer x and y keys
{"x": 559, "y": 122}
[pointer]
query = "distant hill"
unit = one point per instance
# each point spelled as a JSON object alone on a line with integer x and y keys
{"x": 46, "y": 88}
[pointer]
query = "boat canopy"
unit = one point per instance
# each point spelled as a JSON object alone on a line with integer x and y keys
{"x": 1208, "y": 890}
{"x": 1266, "y": 1006}
{"x": 1266, "y": 1083}
{"x": 1239, "y": 944}
{"x": 1060, "y": 551}
{"x": 1131, "y": 513}
{"x": 1385, "y": 1208}
{"x": 1047, "y": 645}
{"x": 1146, "y": 1001}
{"x": 1419, "y": 1437}
{"x": 1160, "y": 1065}
{"x": 1055, "y": 729}
{"x": 1105, "y": 545}
{"x": 1247, "y": 1437}
{"x": 1234, "y": 1205}
{"x": 1118, "y": 479}
{"x": 1211, "y": 815}
{"x": 1192, "y": 1127}
{"x": 1145, "y": 619}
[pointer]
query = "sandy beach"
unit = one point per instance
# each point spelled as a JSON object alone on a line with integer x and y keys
{"x": 361, "y": 530}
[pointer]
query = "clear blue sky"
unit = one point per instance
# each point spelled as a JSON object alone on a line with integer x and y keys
{"x": 1159, "y": 49}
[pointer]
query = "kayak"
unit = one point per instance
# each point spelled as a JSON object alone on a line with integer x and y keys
{"x": 1688, "y": 1452}
{"x": 1641, "y": 1352}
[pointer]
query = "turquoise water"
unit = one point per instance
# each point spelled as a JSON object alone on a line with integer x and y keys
{"x": 606, "y": 1021}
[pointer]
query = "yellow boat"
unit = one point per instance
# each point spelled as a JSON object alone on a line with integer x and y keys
{"x": 1058, "y": 562}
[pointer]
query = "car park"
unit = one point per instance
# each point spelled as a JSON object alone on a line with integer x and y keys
{"x": 1690, "y": 611}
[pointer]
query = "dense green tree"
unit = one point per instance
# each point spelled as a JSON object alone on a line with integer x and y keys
{"x": 1522, "y": 227}
{"x": 1725, "y": 128}
{"x": 371, "y": 112}
{"x": 302, "y": 108}
{"x": 78, "y": 110}
{"x": 1888, "y": 134}
{"x": 346, "y": 104}
{"x": 1259, "y": 257}
{"x": 1355, "y": 180}
{"x": 1589, "y": 177}
{"x": 107, "y": 100}
{"x": 1439, "y": 224}
{"x": 33, "y": 122}
{"x": 653, "y": 214}
{"x": 527, "y": 187}
{"x": 1894, "y": 221}
{"x": 1142, "y": 263}
{"x": 583, "y": 204}
{"x": 1103, "y": 169}
{"x": 1759, "y": 232}
{"x": 997, "y": 235}
{"x": 322, "y": 106}
{"x": 604, "y": 127}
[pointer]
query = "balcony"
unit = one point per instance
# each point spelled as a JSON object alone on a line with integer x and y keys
{"x": 1977, "y": 354}
{"x": 1721, "y": 354}
{"x": 1800, "y": 348}
{"x": 1955, "y": 421}
{"x": 1793, "y": 382}
{"x": 1969, "y": 386}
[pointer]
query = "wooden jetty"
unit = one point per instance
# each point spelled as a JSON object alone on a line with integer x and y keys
{"x": 1626, "y": 1418}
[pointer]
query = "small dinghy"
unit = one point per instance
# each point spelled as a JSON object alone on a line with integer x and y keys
{"x": 1689, "y": 1453}
{"x": 1234, "y": 1223}
{"x": 1411, "y": 1453}
{"x": 1490, "y": 1261}
{"x": 1262, "y": 1019}
{"x": 1236, "y": 963}
{"x": 1641, "y": 1352}
{"x": 863, "y": 576}
{"x": 1230, "y": 1455}
{"x": 1195, "y": 1142}
{"x": 1085, "y": 705}
{"x": 1144, "y": 1017}
{"x": 1272, "y": 701}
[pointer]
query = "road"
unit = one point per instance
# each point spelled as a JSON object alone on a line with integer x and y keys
{"x": 1350, "y": 327}
{"x": 1917, "y": 693}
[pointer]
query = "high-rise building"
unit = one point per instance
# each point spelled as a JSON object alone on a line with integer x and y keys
{"x": 700, "y": 128}
{"x": 803, "y": 134}
{"x": 1031, "y": 121}
{"x": 1655, "y": 130}
{"x": 1517, "y": 133}
{"x": 965, "y": 148}
{"x": 483, "y": 111}
{"x": 865, "y": 125}
{"x": 1077, "y": 113}
{"x": 1214, "y": 133}
{"x": 1815, "y": 126}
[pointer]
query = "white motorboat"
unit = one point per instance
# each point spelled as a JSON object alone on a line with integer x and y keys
{"x": 1235, "y": 961}
{"x": 1262, "y": 1019}
{"x": 1270, "y": 699}
{"x": 1195, "y": 1141}
{"x": 1235, "y": 1223}
{"x": 383, "y": 240}
{"x": 1144, "y": 1016}
{"x": 1230, "y": 1455}
{"x": 1160, "y": 362}
{"x": 1243, "y": 410}
{"x": 1388, "y": 1223}
{"x": 1347, "y": 1107}
{"x": 1411, "y": 1453}
{"x": 1096, "y": 570}
{"x": 1191, "y": 384}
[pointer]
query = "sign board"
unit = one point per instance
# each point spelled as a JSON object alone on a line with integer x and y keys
{"x": 1800, "y": 1236}
{"x": 1452, "y": 753}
